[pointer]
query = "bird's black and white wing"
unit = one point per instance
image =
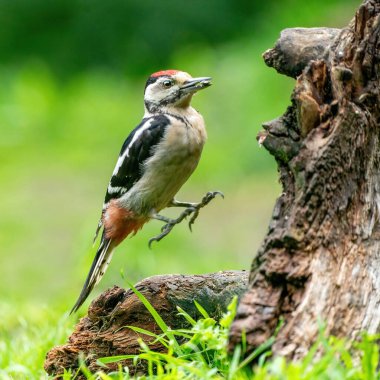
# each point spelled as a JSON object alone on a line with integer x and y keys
{"x": 137, "y": 148}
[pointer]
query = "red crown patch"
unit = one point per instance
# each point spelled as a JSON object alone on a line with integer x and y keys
{"x": 164, "y": 72}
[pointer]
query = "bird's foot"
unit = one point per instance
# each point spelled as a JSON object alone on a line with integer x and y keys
{"x": 169, "y": 224}
{"x": 205, "y": 201}
{"x": 191, "y": 209}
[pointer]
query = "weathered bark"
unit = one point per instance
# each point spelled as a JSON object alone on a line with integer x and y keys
{"x": 321, "y": 256}
{"x": 296, "y": 47}
{"x": 104, "y": 333}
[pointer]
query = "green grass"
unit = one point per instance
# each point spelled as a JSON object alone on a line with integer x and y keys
{"x": 26, "y": 334}
{"x": 195, "y": 353}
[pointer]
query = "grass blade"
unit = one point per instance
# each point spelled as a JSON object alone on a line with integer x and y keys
{"x": 160, "y": 322}
{"x": 201, "y": 310}
{"x": 114, "y": 359}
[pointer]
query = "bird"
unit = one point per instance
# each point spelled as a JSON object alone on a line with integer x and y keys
{"x": 156, "y": 159}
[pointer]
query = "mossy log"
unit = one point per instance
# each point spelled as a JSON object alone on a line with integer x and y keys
{"x": 103, "y": 332}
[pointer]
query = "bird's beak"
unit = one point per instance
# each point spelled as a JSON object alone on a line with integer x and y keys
{"x": 196, "y": 84}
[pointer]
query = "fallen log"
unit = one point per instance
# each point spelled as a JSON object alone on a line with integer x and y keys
{"x": 103, "y": 331}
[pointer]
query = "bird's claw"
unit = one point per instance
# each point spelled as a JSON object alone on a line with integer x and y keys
{"x": 191, "y": 210}
{"x": 164, "y": 231}
{"x": 210, "y": 196}
{"x": 192, "y": 219}
{"x": 168, "y": 226}
{"x": 205, "y": 201}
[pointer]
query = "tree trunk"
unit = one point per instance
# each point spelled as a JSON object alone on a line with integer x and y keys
{"x": 321, "y": 256}
{"x": 104, "y": 333}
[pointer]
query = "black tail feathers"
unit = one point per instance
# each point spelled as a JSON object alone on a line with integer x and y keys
{"x": 99, "y": 266}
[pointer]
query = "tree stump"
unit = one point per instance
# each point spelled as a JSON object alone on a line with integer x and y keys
{"x": 103, "y": 331}
{"x": 321, "y": 256}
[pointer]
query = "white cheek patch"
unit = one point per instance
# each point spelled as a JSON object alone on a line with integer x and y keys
{"x": 154, "y": 94}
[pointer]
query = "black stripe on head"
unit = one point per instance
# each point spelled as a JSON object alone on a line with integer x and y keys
{"x": 153, "y": 107}
{"x": 159, "y": 74}
{"x": 150, "y": 80}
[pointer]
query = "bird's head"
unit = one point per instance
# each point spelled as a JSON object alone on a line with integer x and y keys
{"x": 171, "y": 89}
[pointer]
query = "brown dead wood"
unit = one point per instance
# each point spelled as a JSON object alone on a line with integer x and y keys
{"x": 104, "y": 331}
{"x": 321, "y": 256}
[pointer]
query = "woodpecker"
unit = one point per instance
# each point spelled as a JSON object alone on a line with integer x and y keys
{"x": 155, "y": 161}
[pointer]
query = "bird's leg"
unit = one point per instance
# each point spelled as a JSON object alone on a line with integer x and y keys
{"x": 175, "y": 203}
{"x": 169, "y": 224}
{"x": 205, "y": 201}
{"x": 191, "y": 208}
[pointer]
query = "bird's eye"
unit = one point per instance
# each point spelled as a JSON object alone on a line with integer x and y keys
{"x": 167, "y": 83}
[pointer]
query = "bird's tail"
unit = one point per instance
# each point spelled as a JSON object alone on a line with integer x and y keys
{"x": 99, "y": 266}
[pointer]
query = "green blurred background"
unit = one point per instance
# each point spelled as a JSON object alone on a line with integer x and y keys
{"x": 72, "y": 74}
